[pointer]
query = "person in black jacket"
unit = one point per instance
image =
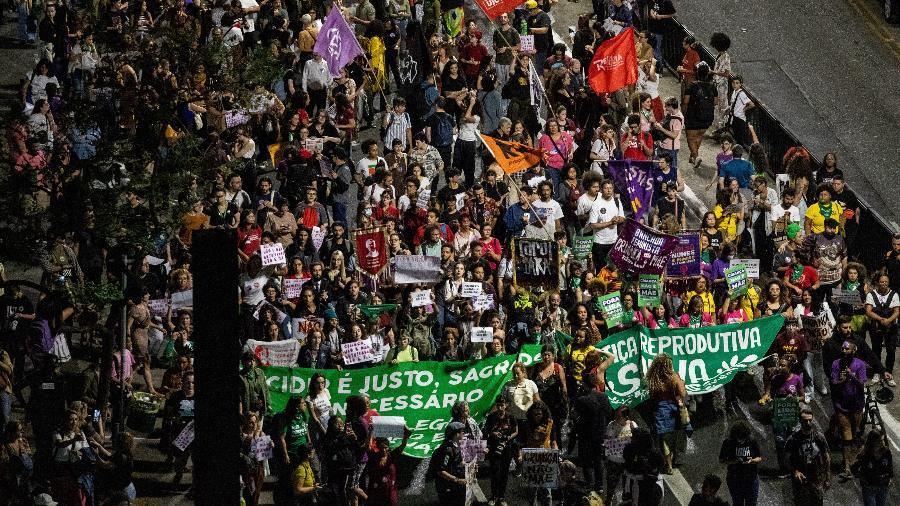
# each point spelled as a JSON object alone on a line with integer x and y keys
{"x": 592, "y": 413}
{"x": 875, "y": 467}
{"x": 450, "y": 476}
{"x": 831, "y": 349}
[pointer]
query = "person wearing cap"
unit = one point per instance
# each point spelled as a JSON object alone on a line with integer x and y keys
{"x": 848, "y": 395}
{"x": 539, "y": 26}
{"x": 450, "y": 475}
{"x": 816, "y": 214}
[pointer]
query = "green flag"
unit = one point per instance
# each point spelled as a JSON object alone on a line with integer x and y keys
{"x": 373, "y": 311}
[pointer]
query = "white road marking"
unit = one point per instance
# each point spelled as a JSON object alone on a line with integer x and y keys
{"x": 891, "y": 425}
{"x": 679, "y": 486}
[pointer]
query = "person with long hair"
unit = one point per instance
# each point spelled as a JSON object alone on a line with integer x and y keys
{"x": 644, "y": 463}
{"x": 501, "y": 431}
{"x": 875, "y": 467}
{"x": 669, "y": 396}
{"x": 721, "y": 73}
{"x": 812, "y": 303}
{"x": 776, "y": 300}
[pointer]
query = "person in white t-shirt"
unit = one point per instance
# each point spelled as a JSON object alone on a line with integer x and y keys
{"x": 591, "y": 185}
{"x": 548, "y": 211}
{"x": 605, "y": 215}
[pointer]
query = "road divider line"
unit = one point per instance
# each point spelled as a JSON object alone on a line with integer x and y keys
{"x": 890, "y": 425}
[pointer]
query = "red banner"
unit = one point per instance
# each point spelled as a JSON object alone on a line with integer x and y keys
{"x": 371, "y": 250}
{"x": 494, "y": 8}
{"x": 614, "y": 64}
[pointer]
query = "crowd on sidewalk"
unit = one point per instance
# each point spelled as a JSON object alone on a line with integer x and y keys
{"x": 144, "y": 122}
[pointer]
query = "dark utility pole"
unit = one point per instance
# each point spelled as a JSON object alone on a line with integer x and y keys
{"x": 217, "y": 350}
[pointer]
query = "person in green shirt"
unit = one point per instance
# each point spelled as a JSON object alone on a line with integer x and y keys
{"x": 293, "y": 430}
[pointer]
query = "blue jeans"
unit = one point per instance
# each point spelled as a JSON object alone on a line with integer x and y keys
{"x": 657, "y": 51}
{"x": 874, "y": 496}
{"x": 339, "y": 213}
{"x": 744, "y": 492}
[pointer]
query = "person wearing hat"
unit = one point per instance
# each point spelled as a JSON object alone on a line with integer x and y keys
{"x": 340, "y": 189}
{"x": 816, "y": 214}
{"x": 450, "y": 475}
{"x": 539, "y": 26}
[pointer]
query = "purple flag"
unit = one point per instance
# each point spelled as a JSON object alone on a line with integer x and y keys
{"x": 642, "y": 250}
{"x": 336, "y": 42}
{"x": 635, "y": 177}
{"x": 685, "y": 259}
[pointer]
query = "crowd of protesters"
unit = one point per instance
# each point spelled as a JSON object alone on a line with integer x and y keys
{"x": 334, "y": 151}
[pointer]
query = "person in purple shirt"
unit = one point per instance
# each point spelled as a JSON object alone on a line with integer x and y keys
{"x": 848, "y": 380}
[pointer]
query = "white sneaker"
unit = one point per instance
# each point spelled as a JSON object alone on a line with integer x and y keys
{"x": 891, "y": 383}
{"x": 807, "y": 398}
{"x": 875, "y": 379}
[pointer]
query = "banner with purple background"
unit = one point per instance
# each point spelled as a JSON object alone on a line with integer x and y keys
{"x": 642, "y": 250}
{"x": 684, "y": 262}
{"x": 336, "y": 42}
{"x": 635, "y": 177}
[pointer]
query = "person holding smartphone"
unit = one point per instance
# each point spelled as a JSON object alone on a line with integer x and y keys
{"x": 740, "y": 451}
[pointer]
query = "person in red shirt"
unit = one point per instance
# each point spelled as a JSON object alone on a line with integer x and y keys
{"x": 472, "y": 54}
{"x": 432, "y": 219}
{"x": 249, "y": 235}
{"x": 799, "y": 277}
{"x": 636, "y": 144}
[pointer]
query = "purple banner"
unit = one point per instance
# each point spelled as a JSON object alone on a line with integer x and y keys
{"x": 642, "y": 250}
{"x": 336, "y": 42}
{"x": 684, "y": 262}
{"x": 636, "y": 177}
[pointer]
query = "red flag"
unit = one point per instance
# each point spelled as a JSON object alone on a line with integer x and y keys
{"x": 494, "y": 8}
{"x": 614, "y": 64}
{"x": 371, "y": 250}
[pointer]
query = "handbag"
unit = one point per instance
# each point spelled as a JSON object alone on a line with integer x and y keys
{"x": 60, "y": 348}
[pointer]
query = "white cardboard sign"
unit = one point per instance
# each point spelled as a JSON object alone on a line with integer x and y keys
{"x": 421, "y": 298}
{"x": 272, "y": 254}
{"x": 357, "y": 351}
{"x": 482, "y": 334}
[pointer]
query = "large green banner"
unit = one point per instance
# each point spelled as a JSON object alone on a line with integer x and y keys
{"x": 706, "y": 357}
{"x": 424, "y": 392}
{"x": 421, "y": 392}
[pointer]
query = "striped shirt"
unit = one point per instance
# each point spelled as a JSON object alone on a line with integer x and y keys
{"x": 397, "y": 126}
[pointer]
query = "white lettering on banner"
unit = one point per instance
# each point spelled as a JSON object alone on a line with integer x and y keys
{"x": 609, "y": 62}
{"x": 334, "y": 42}
{"x": 272, "y": 254}
{"x": 357, "y": 351}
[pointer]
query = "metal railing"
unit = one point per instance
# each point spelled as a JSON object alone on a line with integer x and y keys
{"x": 874, "y": 235}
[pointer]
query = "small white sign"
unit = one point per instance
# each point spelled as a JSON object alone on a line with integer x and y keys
{"x": 483, "y": 302}
{"x": 424, "y": 197}
{"x": 460, "y": 201}
{"x": 526, "y": 43}
{"x": 482, "y": 334}
{"x": 159, "y": 307}
{"x": 388, "y": 426}
{"x": 421, "y": 298}
{"x": 357, "y": 351}
{"x": 185, "y": 438}
{"x": 262, "y": 447}
{"x": 272, "y": 254}
{"x": 752, "y": 265}
{"x": 292, "y": 287}
{"x": 471, "y": 289}
{"x": 318, "y": 237}
{"x": 183, "y": 299}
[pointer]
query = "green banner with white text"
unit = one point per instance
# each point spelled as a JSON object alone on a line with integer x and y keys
{"x": 424, "y": 392}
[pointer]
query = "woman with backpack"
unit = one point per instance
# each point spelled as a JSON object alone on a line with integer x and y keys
{"x": 699, "y": 106}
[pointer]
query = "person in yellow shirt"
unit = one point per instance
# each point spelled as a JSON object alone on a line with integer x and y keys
{"x": 702, "y": 291}
{"x": 303, "y": 479}
{"x": 825, "y": 208}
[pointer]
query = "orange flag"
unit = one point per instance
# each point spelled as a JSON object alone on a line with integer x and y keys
{"x": 614, "y": 64}
{"x": 511, "y": 156}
